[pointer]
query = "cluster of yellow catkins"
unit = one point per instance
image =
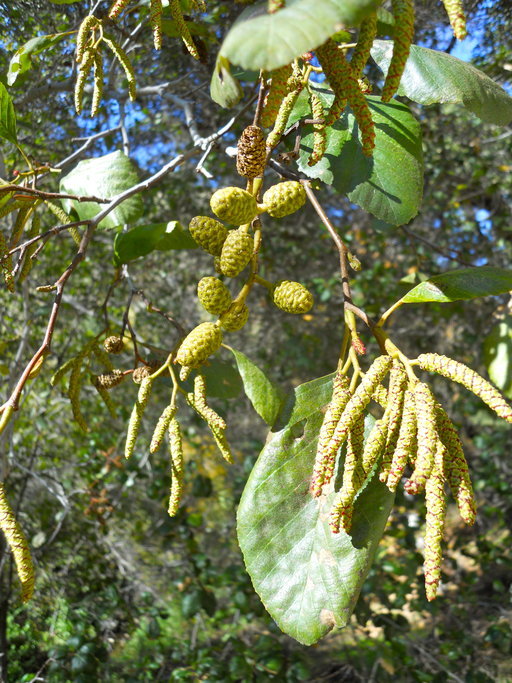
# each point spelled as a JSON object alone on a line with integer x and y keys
{"x": 414, "y": 432}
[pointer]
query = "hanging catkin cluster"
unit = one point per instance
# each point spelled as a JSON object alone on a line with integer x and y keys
{"x": 414, "y": 432}
{"x": 403, "y": 11}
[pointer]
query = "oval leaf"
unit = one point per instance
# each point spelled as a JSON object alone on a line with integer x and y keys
{"x": 458, "y": 285}
{"x": 376, "y": 184}
{"x": 143, "y": 239}
{"x": 225, "y": 90}
{"x": 265, "y": 397}
{"x": 431, "y": 76}
{"x": 498, "y": 355}
{"x": 21, "y": 61}
{"x": 307, "y": 577}
{"x": 103, "y": 177}
{"x": 7, "y": 116}
{"x": 259, "y": 40}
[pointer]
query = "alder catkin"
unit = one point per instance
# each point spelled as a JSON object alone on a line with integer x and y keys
{"x": 403, "y": 11}
{"x": 155, "y": 19}
{"x": 436, "y": 511}
{"x": 75, "y": 384}
{"x": 18, "y": 545}
{"x": 405, "y": 443}
{"x": 424, "y": 403}
{"x": 83, "y": 72}
{"x": 182, "y": 28}
{"x": 251, "y": 153}
{"x": 82, "y": 38}
{"x": 276, "y": 94}
{"x": 136, "y": 416}
{"x": 457, "y": 17}
{"x": 117, "y": 8}
{"x": 393, "y": 414}
{"x": 161, "y": 427}
{"x": 97, "y": 92}
{"x": 361, "y": 54}
{"x": 375, "y": 444}
{"x": 6, "y": 263}
{"x": 283, "y": 114}
{"x": 124, "y": 60}
{"x": 176, "y": 451}
{"x": 319, "y": 129}
{"x": 329, "y": 57}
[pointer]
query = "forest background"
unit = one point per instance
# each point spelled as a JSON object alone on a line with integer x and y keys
{"x": 124, "y": 593}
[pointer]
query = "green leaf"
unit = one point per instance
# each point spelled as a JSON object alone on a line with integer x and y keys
{"x": 376, "y": 184}
{"x": 307, "y": 577}
{"x": 103, "y": 177}
{"x": 7, "y": 116}
{"x": 222, "y": 379}
{"x": 459, "y": 285}
{"x": 497, "y": 349}
{"x": 143, "y": 239}
{"x": 225, "y": 90}
{"x": 259, "y": 40}
{"x": 431, "y": 76}
{"x": 265, "y": 397}
{"x": 21, "y": 61}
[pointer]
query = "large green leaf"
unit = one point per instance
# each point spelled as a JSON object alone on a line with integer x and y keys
{"x": 498, "y": 355}
{"x": 259, "y": 40}
{"x": 225, "y": 90}
{"x": 376, "y": 184}
{"x": 103, "y": 177}
{"x": 307, "y": 577}
{"x": 266, "y": 398}
{"x": 21, "y": 61}
{"x": 7, "y": 116}
{"x": 432, "y": 76}
{"x": 143, "y": 239}
{"x": 458, "y": 285}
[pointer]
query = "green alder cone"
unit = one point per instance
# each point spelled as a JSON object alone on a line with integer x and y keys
{"x": 213, "y": 294}
{"x": 292, "y": 297}
{"x": 234, "y": 320}
{"x": 236, "y": 253}
{"x": 284, "y": 198}
{"x": 199, "y": 345}
{"x": 234, "y": 205}
{"x": 208, "y": 233}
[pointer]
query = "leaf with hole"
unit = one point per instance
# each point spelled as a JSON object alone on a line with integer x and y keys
{"x": 22, "y": 59}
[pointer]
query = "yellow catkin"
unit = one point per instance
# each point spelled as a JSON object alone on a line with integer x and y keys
{"x": 18, "y": 545}
{"x": 176, "y": 450}
{"x": 117, "y": 8}
{"x": 456, "y": 467}
{"x": 282, "y": 117}
{"x": 458, "y": 372}
{"x": 403, "y": 11}
{"x": 64, "y": 218}
{"x": 435, "y": 517}
{"x": 405, "y": 443}
{"x": 276, "y": 94}
{"x": 97, "y": 92}
{"x": 161, "y": 427}
{"x": 21, "y": 221}
{"x": 6, "y": 263}
{"x": 457, "y": 17}
{"x": 319, "y": 130}
{"x": 339, "y": 399}
{"x": 361, "y": 53}
{"x": 74, "y": 387}
{"x": 182, "y": 28}
{"x": 393, "y": 414}
{"x": 124, "y": 60}
{"x": 222, "y": 444}
{"x": 82, "y": 38}
{"x": 83, "y": 73}
{"x": 375, "y": 443}
{"x": 329, "y": 57}
{"x": 62, "y": 372}
{"x": 380, "y": 396}
{"x": 136, "y": 416}
{"x": 199, "y": 403}
{"x": 427, "y": 438}
{"x": 155, "y": 19}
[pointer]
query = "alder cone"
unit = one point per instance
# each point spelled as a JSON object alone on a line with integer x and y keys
{"x": 236, "y": 252}
{"x": 110, "y": 379}
{"x": 113, "y": 344}
{"x": 213, "y": 294}
{"x": 234, "y": 320}
{"x": 141, "y": 373}
{"x": 234, "y": 205}
{"x": 284, "y": 198}
{"x": 292, "y": 297}
{"x": 252, "y": 153}
{"x": 208, "y": 233}
{"x": 199, "y": 344}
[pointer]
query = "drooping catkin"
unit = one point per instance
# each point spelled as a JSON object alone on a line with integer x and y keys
{"x": 18, "y": 545}
{"x": 282, "y": 117}
{"x": 457, "y": 17}
{"x": 339, "y": 399}
{"x": 136, "y": 416}
{"x": 403, "y": 11}
{"x": 182, "y": 28}
{"x": 424, "y": 402}
{"x": 64, "y": 218}
{"x": 319, "y": 130}
{"x": 105, "y": 397}
{"x": 88, "y": 24}
{"x": 155, "y": 19}
{"x": 222, "y": 444}
{"x": 117, "y": 8}
{"x": 200, "y": 405}
{"x": 176, "y": 451}
{"x": 83, "y": 73}
{"x": 361, "y": 54}
{"x": 328, "y": 56}
{"x": 405, "y": 443}
{"x": 375, "y": 443}
{"x": 125, "y": 62}
{"x": 21, "y": 221}
{"x": 276, "y": 94}
{"x": 6, "y": 263}
{"x": 393, "y": 414}
{"x": 458, "y": 372}
{"x": 97, "y": 92}
{"x": 436, "y": 511}
{"x": 161, "y": 427}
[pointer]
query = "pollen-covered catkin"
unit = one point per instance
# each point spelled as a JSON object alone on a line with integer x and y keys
{"x": 161, "y": 427}
{"x": 436, "y": 511}
{"x": 361, "y": 54}
{"x": 183, "y": 30}
{"x": 319, "y": 129}
{"x": 403, "y": 11}
{"x": 424, "y": 402}
{"x": 82, "y": 38}
{"x": 18, "y": 545}
{"x": 105, "y": 397}
{"x": 176, "y": 450}
{"x": 458, "y": 372}
{"x": 136, "y": 416}
{"x": 124, "y": 60}
{"x": 97, "y": 92}
{"x": 375, "y": 444}
{"x": 198, "y": 402}
{"x": 405, "y": 443}
{"x": 329, "y": 56}
{"x": 117, "y": 8}
{"x": 155, "y": 19}
{"x": 277, "y": 93}
{"x": 393, "y": 414}
{"x": 83, "y": 73}
{"x": 283, "y": 114}
{"x": 457, "y": 17}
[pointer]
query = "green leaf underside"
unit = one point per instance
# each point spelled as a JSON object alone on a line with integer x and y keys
{"x": 143, "y": 239}
{"x": 21, "y": 61}
{"x": 7, "y": 116}
{"x": 225, "y": 89}
{"x": 497, "y": 348}
{"x": 459, "y": 285}
{"x": 259, "y": 40}
{"x": 103, "y": 177}
{"x": 222, "y": 379}
{"x": 266, "y": 398}
{"x": 376, "y": 184}
{"x": 431, "y": 76}
{"x": 307, "y": 577}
